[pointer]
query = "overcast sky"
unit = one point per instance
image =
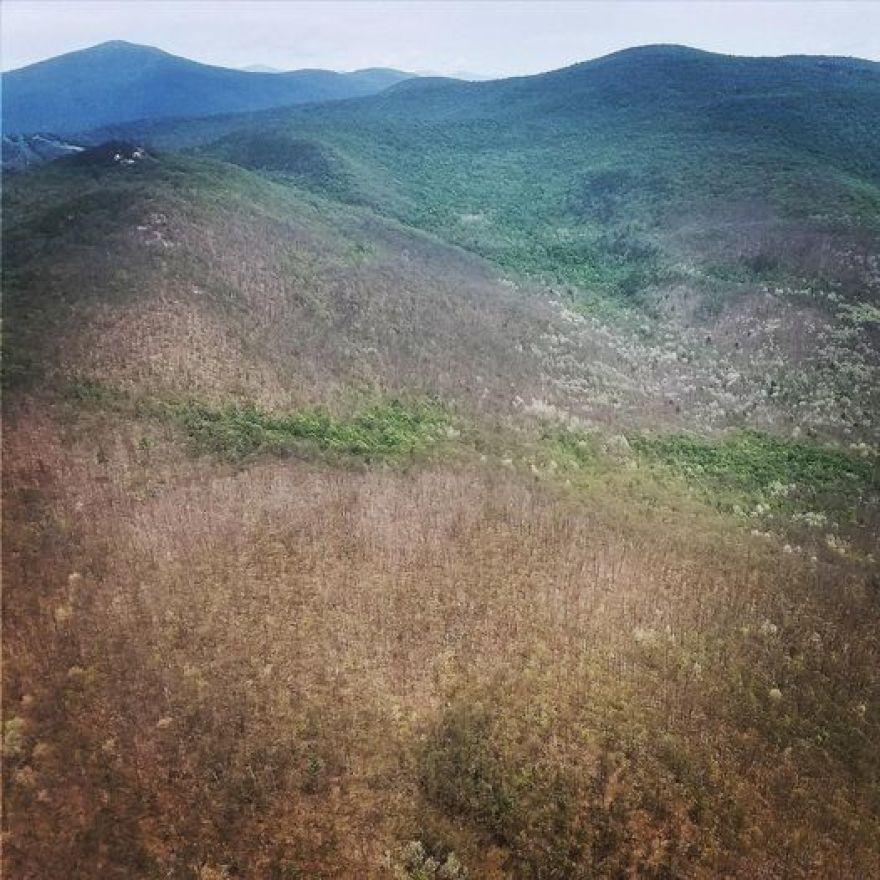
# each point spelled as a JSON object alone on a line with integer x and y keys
{"x": 490, "y": 38}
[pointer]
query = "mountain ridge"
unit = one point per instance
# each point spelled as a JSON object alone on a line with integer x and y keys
{"x": 118, "y": 81}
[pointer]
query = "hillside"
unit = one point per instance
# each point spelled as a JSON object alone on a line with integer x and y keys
{"x": 611, "y": 175}
{"x": 119, "y": 82}
{"x": 472, "y": 481}
{"x": 733, "y": 202}
{"x": 25, "y": 151}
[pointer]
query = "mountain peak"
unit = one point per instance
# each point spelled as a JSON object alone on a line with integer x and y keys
{"x": 121, "y": 45}
{"x": 666, "y": 50}
{"x": 652, "y": 52}
{"x": 124, "y": 47}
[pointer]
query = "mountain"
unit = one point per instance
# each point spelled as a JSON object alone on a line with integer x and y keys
{"x": 602, "y": 174}
{"x": 118, "y": 82}
{"x": 468, "y": 480}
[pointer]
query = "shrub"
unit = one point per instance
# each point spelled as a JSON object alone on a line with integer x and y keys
{"x": 381, "y": 431}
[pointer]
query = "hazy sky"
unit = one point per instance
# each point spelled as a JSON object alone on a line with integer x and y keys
{"x": 492, "y": 38}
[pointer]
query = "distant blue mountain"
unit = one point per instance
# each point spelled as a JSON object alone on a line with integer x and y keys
{"x": 120, "y": 82}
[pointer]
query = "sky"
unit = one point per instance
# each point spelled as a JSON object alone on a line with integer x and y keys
{"x": 485, "y": 38}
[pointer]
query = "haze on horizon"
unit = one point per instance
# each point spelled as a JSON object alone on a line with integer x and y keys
{"x": 455, "y": 38}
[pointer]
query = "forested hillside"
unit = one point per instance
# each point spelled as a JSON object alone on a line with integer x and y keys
{"x": 609, "y": 174}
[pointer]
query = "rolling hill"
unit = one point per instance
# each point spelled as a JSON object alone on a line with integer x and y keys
{"x": 119, "y": 82}
{"x": 473, "y": 480}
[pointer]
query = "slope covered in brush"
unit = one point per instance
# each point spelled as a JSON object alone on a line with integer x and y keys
{"x": 183, "y": 273}
{"x": 336, "y": 293}
{"x": 328, "y": 555}
{"x": 334, "y": 550}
